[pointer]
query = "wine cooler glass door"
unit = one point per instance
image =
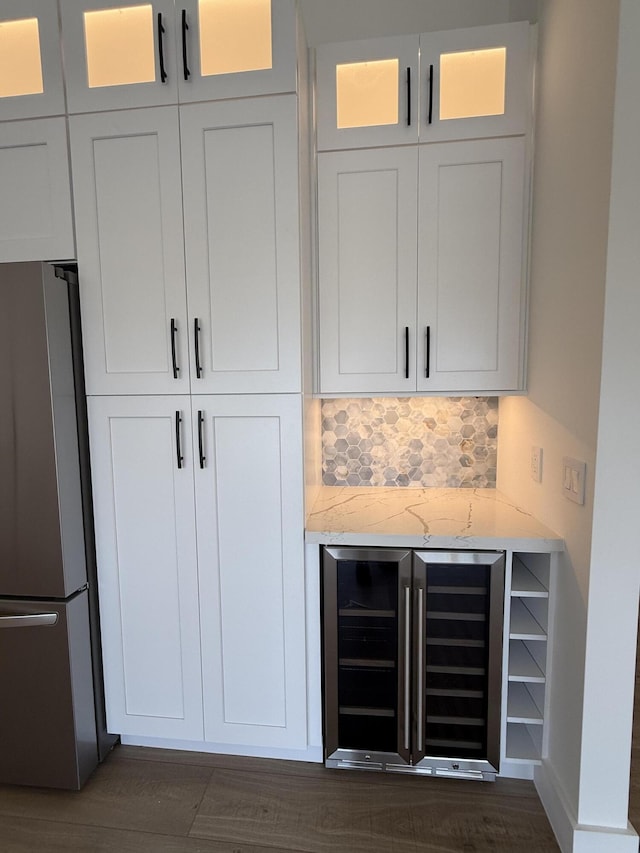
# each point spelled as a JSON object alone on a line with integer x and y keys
{"x": 367, "y": 655}
{"x": 457, "y": 654}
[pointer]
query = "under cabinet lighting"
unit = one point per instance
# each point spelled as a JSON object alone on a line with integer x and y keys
{"x": 20, "y": 63}
{"x": 235, "y": 36}
{"x": 367, "y": 93}
{"x": 120, "y": 46}
{"x": 472, "y": 83}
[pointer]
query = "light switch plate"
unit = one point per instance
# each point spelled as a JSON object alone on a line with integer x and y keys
{"x": 536, "y": 464}
{"x": 573, "y": 477}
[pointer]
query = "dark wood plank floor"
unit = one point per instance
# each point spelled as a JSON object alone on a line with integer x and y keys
{"x": 157, "y": 801}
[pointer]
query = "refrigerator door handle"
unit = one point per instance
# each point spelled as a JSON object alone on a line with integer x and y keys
{"x": 28, "y": 620}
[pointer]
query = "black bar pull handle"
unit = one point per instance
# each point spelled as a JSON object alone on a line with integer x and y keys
{"x": 203, "y": 458}
{"x": 427, "y": 347}
{"x": 163, "y": 71}
{"x": 406, "y": 352}
{"x": 408, "y": 97}
{"x": 174, "y": 362}
{"x": 430, "y": 105}
{"x": 185, "y": 64}
{"x": 196, "y": 342}
{"x": 179, "y": 456}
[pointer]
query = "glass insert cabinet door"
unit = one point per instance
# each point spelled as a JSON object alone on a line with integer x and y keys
{"x": 412, "y": 659}
{"x": 457, "y": 84}
{"x": 30, "y": 60}
{"x": 125, "y": 54}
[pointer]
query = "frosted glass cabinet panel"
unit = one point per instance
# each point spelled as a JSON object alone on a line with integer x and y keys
{"x": 477, "y": 81}
{"x": 456, "y": 84}
{"x": 367, "y": 92}
{"x": 30, "y": 60}
{"x": 121, "y": 54}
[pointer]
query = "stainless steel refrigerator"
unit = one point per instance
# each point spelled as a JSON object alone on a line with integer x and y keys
{"x": 52, "y": 722}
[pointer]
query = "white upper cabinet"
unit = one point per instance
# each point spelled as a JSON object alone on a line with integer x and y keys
{"x": 471, "y": 265}
{"x": 367, "y": 92}
{"x": 235, "y": 49}
{"x": 128, "y": 203}
{"x": 240, "y": 181}
{"x": 235, "y": 328}
{"x": 30, "y": 60}
{"x": 456, "y": 84}
{"x": 422, "y": 268}
{"x": 476, "y": 82}
{"x": 121, "y": 54}
{"x": 36, "y": 222}
{"x": 367, "y": 247}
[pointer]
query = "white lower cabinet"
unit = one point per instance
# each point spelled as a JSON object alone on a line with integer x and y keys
{"x": 147, "y": 568}
{"x": 251, "y": 558}
{"x": 199, "y": 519}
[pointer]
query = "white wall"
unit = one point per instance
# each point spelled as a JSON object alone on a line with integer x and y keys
{"x": 342, "y": 20}
{"x": 576, "y": 80}
{"x": 615, "y": 569}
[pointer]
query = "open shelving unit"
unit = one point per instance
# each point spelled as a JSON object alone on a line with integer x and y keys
{"x": 528, "y": 620}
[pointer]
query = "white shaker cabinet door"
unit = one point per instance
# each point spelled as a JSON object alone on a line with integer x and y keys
{"x": 367, "y": 203}
{"x": 147, "y": 572}
{"x": 240, "y": 181}
{"x": 471, "y": 268}
{"x": 251, "y": 565}
{"x": 128, "y": 205}
{"x": 36, "y": 222}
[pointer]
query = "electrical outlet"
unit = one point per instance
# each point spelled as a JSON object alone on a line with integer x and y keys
{"x": 536, "y": 464}
{"x": 573, "y": 476}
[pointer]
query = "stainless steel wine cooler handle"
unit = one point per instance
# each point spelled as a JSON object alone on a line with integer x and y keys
{"x": 407, "y": 665}
{"x": 421, "y": 645}
{"x": 28, "y": 620}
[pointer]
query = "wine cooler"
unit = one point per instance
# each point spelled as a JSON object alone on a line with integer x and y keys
{"x": 412, "y": 651}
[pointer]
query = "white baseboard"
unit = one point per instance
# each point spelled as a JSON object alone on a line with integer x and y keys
{"x": 312, "y": 753}
{"x": 571, "y": 836}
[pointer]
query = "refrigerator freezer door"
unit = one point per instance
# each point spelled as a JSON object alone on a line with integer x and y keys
{"x": 41, "y": 523}
{"x": 47, "y": 718}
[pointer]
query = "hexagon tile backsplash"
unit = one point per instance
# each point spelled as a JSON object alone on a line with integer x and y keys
{"x": 412, "y": 441}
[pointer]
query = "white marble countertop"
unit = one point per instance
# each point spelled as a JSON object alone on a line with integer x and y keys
{"x": 417, "y": 518}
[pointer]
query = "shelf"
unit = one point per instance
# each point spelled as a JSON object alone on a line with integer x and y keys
{"x": 521, "y": 707}
{"x": 522, "y": 666}
{"x": 350, "y": 711}
{"x": 524, "y": 583}
{"x": 367, "y": 663}
{"x": 367, "y": 614}
{"x": 523, "y": 625}
{"x": 521, "y": 745}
